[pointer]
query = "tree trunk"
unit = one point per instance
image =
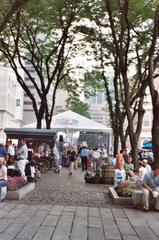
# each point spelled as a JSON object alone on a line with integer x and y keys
{"x": 134, "y": 150}
{"x": 116, "y": 144}
{"x": 155, "y": 133}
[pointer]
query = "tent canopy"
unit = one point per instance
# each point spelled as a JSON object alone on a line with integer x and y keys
{"x": 73, "y": 122}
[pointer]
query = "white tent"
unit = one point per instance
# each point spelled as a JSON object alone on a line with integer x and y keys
{"x": 73, "y": 122}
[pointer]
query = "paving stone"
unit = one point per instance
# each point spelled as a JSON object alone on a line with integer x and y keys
{"x": 106, "y": 214}
{"x": 13, "y": 229}
{"x": 82, "y": 211}
{"x": 69, "y": 209}
{"x": 51, "y": 220}
{"x": 95, "y": 233}
{"x": 94, "y": 222}
{"x": 154, "y": 226}
{"x": 94, "y": 212}
{"x": 38, "y": 218}
{"x": 130, "y": 237}
{"x": 6, "y": 237}
{"x": 44, "y": 233}
{"x": 26, "y": 215}
{"x": 79, "y": 228}
{"x": 14, "y": 213}
{"x": 125, "y": 226}
{"x": 118, "y": 213}
{"x": 4, "y": 223}
{"x": 56, "y": 210}
{"x": 62, "y": 231}
{"x": 46, "y": 207}
{"x": 27, "y": 232}
{"x": 145, "y": 233}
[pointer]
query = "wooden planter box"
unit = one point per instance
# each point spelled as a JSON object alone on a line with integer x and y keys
{"x": 21, "y": 192}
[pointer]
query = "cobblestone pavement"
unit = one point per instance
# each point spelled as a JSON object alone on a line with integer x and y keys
{"x": 63, "y": 207}
{"x": 63, "y": 189}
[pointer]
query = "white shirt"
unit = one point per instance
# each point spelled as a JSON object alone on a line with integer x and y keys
{"x": 3, "y": 172}
{"x": 119, "y": 176}
{"x": 11, "y": 150}
{"x": 142, "y": 172}
{"x": 56, "y": 153}
{"x": 22, "y": 152}
{"x": 148, "y": 168}
{"x": 96, "y": 154}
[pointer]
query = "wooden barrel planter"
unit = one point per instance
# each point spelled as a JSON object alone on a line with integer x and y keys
{"x": 108, "y": 172}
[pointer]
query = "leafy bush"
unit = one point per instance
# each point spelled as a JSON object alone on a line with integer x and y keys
{"x": 14, "y": 183}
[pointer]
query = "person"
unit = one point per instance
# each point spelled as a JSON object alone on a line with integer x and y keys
{"x": 2, "y": 150}
{"x": 120, "y": 162}
{"x": 129, "y": 165}
{"x": 96, "y": 160}
{"x": 119, "y": 176}
{"x": 22, "y": 155}
{"x": 71, "y": 153}
{"x": 84, "y": 153}
{"x": 56, "y": 158}
{"x": 104, "y": 155}
{"x": 150, "y": 185}
{"x": 3, "y": 174}
{"x": 146, "y": 165}
{"x": 141, "y": 173}
{"x": 10, "y": 153}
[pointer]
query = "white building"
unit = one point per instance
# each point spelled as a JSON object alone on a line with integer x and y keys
{"x": 11, "y": 100}
{"x": 97, "y": 107}
{"x": 98, "y": 113}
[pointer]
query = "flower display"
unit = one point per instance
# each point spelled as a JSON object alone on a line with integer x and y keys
{"x": 14, "y": 183}
{"x": 126, "y": 189}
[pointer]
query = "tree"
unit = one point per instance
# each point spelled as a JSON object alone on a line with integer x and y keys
{"x": 79, "y": 107}
{"x": 122, "y": 40}
{"x": 153, "y": 63}
{"x": 10, "y": 8}
{"x": 42, "y": 35}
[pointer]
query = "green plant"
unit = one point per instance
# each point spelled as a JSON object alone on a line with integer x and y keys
{"x": 126, "y": 188}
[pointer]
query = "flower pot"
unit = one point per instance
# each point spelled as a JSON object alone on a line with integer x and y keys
{"x": 21, "y": 192}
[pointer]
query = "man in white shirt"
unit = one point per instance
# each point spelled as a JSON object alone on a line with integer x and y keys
{"x": 10, "y": 152}
{"x": 22, "y": 156}
{"x": 96, "y": 160}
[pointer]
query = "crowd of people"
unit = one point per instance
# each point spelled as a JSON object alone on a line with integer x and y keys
{"x": 146, "y": 178}
{"x": 21, "y": 161}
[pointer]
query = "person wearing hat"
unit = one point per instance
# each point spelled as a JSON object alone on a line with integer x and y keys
{"x": 3, "y": 174}
{"x": 146, "y": 165}
{"x": 150, "y": 185}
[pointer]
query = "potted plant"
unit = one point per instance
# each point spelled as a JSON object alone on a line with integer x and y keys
{"x": 125, "y": 189}
{"x": 18, "y": 187}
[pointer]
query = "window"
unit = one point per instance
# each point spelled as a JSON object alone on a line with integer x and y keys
{"x": 17, "y": 102}
{"x": 146, "y": 120}
{"x": 27, "y": 103}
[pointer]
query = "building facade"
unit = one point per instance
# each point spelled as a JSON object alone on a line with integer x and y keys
{"x": 11, "y": 104}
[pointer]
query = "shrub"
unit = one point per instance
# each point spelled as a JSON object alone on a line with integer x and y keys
{"x": 14, "y": 183}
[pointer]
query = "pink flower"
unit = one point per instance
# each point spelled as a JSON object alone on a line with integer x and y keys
{"x": 15, "y": 183}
